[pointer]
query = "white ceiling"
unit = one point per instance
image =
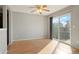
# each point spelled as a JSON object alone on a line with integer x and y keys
{"x": 27, "y": 9}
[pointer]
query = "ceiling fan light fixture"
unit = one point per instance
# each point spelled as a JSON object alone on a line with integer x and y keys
{"x": 39, "y": 11}
{"x": 41, "y": 8}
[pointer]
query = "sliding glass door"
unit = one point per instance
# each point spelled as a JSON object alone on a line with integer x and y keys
{"x": 55, "y": 27}
{"x": 65, "y": 28}
{"x": 61, "y": 28}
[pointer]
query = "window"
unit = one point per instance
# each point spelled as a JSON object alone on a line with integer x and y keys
{"x": 61, "y": 28}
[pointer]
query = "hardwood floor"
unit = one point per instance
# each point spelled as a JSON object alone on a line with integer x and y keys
{"x": 27, "y": 46}
{"x": 41, "y": 46}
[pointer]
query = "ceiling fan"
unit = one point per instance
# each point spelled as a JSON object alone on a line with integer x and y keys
{"x": 40, "y": 8}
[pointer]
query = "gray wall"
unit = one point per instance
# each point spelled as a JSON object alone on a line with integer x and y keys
{"x": 27, "y": 26}
{"x": 75, "y": 26}
{"x": 10, "y": 27}
{"x": 74, "y": 10}
{"x": 4, "y": 16}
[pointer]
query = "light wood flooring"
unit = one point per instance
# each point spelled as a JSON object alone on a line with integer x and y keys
{"x": 35, "y": 46}
{"x": 27, "y": 46}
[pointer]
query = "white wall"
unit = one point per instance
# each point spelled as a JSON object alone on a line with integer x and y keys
{"x": 27, "y": 26}
{"x": 3, "y": 41}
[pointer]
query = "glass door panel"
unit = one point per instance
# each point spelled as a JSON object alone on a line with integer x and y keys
{"x": 55, "y": 25}
{"x": 64, "y": 25}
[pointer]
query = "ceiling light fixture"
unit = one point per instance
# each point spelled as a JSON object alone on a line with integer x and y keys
{"x": 40, "y": 8}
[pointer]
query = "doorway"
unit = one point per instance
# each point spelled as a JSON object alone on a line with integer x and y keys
{"x": 61, "y": 28}
{"x": 7, "y": 27}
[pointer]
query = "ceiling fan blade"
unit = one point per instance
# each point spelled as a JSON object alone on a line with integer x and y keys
{"x": 44, "y": 6}
{"x": 46, "y": 10}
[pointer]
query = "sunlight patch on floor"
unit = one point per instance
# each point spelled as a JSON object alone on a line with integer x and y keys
{"x": 63, "y": 49}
